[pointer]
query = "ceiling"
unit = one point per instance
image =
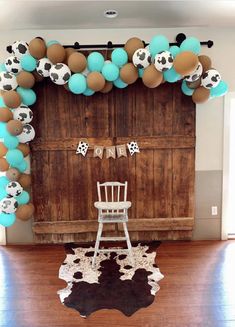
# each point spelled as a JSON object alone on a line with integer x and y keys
{"x": 54, "y": 14}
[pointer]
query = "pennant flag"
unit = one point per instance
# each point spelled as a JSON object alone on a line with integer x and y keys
{"x": 133, "y": 147}
{"x": 121, "y": 150}
{"x": 98, "y": 151}
{"x": 110, "y": 152}
{"x": 82, "y": 148}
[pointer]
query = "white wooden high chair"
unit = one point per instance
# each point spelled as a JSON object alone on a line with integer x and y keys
{"x": 112, "y": 210}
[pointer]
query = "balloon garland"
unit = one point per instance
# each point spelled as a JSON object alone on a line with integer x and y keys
{"x": 29, "y": 63}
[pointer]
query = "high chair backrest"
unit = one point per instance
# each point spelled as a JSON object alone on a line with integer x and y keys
{"x": 112, "y": 192}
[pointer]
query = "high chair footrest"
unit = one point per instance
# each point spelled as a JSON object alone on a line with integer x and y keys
{"x": 107, "y": 238}
{"x": 113, "y": 250}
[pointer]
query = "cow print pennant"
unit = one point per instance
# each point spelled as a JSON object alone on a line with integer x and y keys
{"x": 133, "y": 147}
{"x": 82, "y": 148}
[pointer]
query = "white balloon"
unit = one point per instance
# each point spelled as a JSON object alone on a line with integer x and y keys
{"x": 195, "y": 75}
{"x": 20, "y": 48}
{"x": 141, "y": 58}
{"x": 27, "y": 135}
{"x": 163, "y": 61}
{"x": 210, "y": 78}
{"x": 8, "y": 81}
{"x": 60, "y": 73}
{"x": 43, "y": 67}
{"x": 13, "y": 65}
{"x": 8, "y": 205}
{"x": 14, "y": 188}
{"x": 23, "y": 114}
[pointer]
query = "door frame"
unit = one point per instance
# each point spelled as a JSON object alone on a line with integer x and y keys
{"x": 226, "y": 162}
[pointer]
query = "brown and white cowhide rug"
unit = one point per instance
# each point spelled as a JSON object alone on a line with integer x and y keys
{"x": 114, "y": 283}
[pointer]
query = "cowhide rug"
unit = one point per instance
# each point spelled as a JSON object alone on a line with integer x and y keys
{"x": 113, "y": 284}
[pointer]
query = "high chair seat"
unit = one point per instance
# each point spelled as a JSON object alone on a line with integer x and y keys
{"x": 112, "y": 205}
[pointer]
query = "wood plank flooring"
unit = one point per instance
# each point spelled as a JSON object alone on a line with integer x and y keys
{"x": 198, "y": 289}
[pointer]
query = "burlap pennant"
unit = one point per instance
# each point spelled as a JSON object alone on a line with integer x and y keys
{"x": 121, "y": 150}
{"x": 110, "y": 152}
{"x": 98, "y": 151}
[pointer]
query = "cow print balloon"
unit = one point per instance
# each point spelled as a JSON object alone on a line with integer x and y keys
{"x": 8, "y": 81}
{"x": 14, "y": 189}
{"x": 20, "y": 48}
{"x": 13, "y": 65}
{"x": 8, "y": 205}
{"x": 141, "y": 58}
{"x": 195, "y": 75}
{"x": 60, "y": 74}
{"x": 27, "y": 135}
{"x": 210, "y": 78}
{"x": 163, "y": 61}
{"x": 23, "y": 114}
{"x": 43, "y": 67}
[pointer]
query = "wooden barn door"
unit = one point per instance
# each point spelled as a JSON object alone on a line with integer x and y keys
{"x": 160, "y": 177}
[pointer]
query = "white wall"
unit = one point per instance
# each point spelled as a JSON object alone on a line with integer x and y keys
{"x": 209, "y": 130}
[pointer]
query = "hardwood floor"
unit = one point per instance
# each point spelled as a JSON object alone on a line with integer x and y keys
{"x": 198, "y": 289}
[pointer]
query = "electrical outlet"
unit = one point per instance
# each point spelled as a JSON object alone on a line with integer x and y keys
{"x": 214, "y": 211}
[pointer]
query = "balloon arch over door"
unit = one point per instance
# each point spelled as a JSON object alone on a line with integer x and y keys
{"x": 29, "y": 63}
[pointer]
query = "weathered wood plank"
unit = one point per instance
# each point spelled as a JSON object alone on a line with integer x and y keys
{"x": 139, "y": 224}
{"x": 158, "y": 142}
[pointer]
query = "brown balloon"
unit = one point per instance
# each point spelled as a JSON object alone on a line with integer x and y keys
{"x": 56, "y": 53}
{"x": 5, "y": 114}
{"x": 4, "y": 165}
{"x": 194, "y": 84}
{"x": 129, "y": 73}
{"x": 14, "y": 127}
{"x": 25, "y": 211}
{"x": 3, "y": 150}
{"x": 24, "y": 148}
{"x": 37, "y": 48}
{"x": 12, "y": 99}
{"x": 13, "y": 174}
{"x": 38, "y": 78}
{"x": 25, "y": 79}
{"x": 68, "y": 52}
{"x": 201, "y": 95}
{"x": 206, "y": 62}
{"x": 95, "y": 81}
{"x": 152, "y": 77}
{"x": 107, "y": 88}
{"x": 25, "y": 180}
{"x": 77, "y": 62}
{"x": 132, "y": 45}
{"x": 185, "y": 63}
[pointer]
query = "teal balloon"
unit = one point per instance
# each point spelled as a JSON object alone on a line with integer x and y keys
{"x": 157, "y": 44}
{"x": 23, "y": 198}
{"x": 171, "y": 75}
{"x": 14, "y": 157}
{"x": 185, "y": 89}
{"x": 88, "y": 92}
{"x": 95, "y": 62}
{"x": 3, "y": 129}
{"x": 220, "y": 90}
{"x": 3, "y": 182}
{"x": 2, "y": 68}
{"x": 119, "y": 83}
{"x": 141, "y": 72}
{"x": 28, "y": 96}
{"x": 3, "y": 193}
{"x": 7, "y": 219}
{"x": 28, "y": 62}
{"x": 11, "y": 142}
{"x": 2, "y": 104}
{"x": 49, "y": 43}
{"x": 191, "y": 44}
{"x": 110, "y": 71}
{"x": 22, "y": 166}
{"x": 77, "y": 83}
{"x": 119, "y": 57}
{"x": 174, "y": 50}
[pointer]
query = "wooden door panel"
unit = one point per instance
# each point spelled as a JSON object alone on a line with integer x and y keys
{"x": 160, "y": 177}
